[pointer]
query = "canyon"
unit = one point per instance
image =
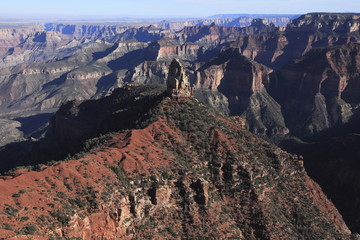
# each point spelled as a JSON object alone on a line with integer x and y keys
{"x": 47, "y": 68}
{"x": 292, "y": 80}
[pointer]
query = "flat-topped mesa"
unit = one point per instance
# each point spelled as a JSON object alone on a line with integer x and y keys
{"x": 178, "y": 85}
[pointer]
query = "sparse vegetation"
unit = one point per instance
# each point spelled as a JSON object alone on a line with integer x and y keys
{"x": 208, "y": 185}
{"x": 30, "y": 229}
{"x": 60, "y": 216}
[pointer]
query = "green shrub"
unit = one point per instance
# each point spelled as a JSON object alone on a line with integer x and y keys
{"x": 30, "y": 229}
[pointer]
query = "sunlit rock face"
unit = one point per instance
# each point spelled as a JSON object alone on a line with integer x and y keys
{"x": 178, "y": 85}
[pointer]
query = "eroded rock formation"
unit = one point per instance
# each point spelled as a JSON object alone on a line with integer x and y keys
{"x": 178, "y": 85}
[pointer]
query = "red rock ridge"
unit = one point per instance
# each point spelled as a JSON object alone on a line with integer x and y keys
{"x": 170, "y": 180}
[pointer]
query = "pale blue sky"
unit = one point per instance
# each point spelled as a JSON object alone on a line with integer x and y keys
{"x": 172, "y": 8}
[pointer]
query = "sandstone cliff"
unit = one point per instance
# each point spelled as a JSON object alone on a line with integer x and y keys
{"x": 320, "y": 90}
{"x": 300, "y": 35}
{"x": 244, "y": 83}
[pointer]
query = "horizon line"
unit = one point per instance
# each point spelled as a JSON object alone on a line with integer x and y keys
{"x": 8, "y": 17}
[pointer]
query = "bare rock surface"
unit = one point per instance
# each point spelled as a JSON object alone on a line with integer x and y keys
{"x": 178, "y": 85}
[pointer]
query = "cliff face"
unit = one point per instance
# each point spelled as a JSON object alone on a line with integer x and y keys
{"x": 110, "y": 33}
{"x": 79, "y": 32}
{"x": 225, "y": 21}
{"x": 244, "y": 83}
{"x": 186, "y": 172}
{"x": 169, "y": 48}
{"x": 327, "y": 22}
{"x": 29, "y": 45}
{"x": 34, "y": 87}
{"x": 213, "y": 34}
{"x": 320, "y": 90}
{"x": 23, "y": 46}
{"x": 300, "y": 35}
{"x": 13, "y": 37}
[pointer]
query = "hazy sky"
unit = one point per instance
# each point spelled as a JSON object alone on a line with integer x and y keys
{"x": 171, "y": 8}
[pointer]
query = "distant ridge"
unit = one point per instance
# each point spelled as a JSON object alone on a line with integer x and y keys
{"x": 334, "y": 13}
{"x": 292, "y": 16}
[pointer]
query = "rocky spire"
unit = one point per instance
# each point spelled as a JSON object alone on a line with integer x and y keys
{"x": 178, "y": 85}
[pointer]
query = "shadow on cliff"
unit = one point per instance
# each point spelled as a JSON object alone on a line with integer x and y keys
{"x": 56, "y": 82}
{"x": 236, "y": 84}
{"x": 105, "y": 83}
{"x": 331, "y": 158}
{"x": 99, "y": 55}
{"x": 34, "y": 126}
{"x": 294, "y": 49}
{"x": 134, "y": 58}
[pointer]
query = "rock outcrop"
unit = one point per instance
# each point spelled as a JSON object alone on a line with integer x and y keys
{"x": 178, "y": 86}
